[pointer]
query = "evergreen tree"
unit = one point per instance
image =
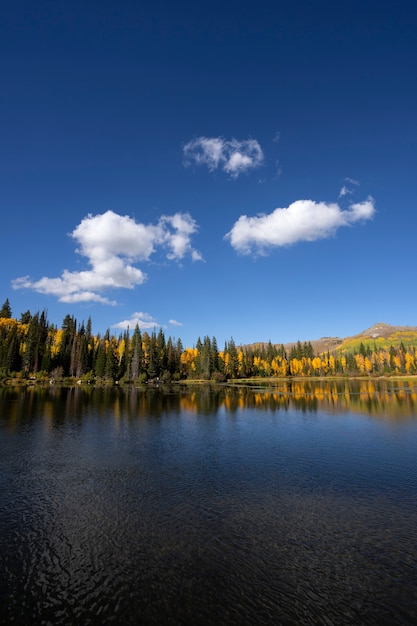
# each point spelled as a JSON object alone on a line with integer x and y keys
{"x": 136, "y": 359}
{"x": 111, "y": 367}
{"x": 308, "y": 350}
{"x": 100, "y": 360}
{"x": 124, "y": 360}
{"x": 199, "y": 348}
{"x": 29, "y": 359}
{"x": 173, "y": 357}
{"x": 25, "y": 317}
{"x": 69, "y": 328}
{"x": 206, "y": 366}
{"x": 154, "y": 368}
{"x": 6, "y": 310}
{"x": 10, "y": 352}
{"x": 232, "y": 365}
{"x": 270, "y": 352}
{"x": 215, "y": 355}
{"x": 161, "y": 352}
{"x": 42, "y": 342}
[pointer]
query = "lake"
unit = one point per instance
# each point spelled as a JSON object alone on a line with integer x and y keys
{"x": 293, "y": 503}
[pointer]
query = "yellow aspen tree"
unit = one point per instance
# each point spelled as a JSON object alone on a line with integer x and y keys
{"x": 360, "y": 362}
{"x": 295, "y": 367}
{"x": 316, "y": 363}
{"x": 276, "y": 366}
{"x": 121, "y": 349}
{"x": 266, "y": 367}
{"x": 57, "y": 342}
{"x": 284, "y": 367}
{"x": 375, "y": 362}
{"x": 241, "y": 362}
{"x": 256, "y": 360}
{"x": 397, "y": 362}
{"x": 187, "y": 360}
{"x": 307, "y": 366}
{"x": 410, "y": 364}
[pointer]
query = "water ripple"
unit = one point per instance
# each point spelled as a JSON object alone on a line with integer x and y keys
{"x": 232, "y": 522}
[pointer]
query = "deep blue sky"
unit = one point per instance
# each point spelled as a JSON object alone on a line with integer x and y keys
{"x": 135, "y": 136}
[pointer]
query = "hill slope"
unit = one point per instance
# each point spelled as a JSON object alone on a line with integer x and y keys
{"x": 381, "y": 335}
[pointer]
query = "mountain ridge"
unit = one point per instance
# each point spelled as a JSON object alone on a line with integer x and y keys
{"x": 380, "y": 333}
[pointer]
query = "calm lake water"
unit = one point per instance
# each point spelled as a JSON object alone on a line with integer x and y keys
{"x": 288, "y": 504}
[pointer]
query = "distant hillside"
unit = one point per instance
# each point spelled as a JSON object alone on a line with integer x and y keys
{"x": 381, "y": 334}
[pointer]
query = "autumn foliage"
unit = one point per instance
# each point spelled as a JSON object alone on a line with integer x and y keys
{"x": 32, "y": 347}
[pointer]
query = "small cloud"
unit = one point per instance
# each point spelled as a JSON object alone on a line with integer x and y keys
{"x": 143, "y": 320}
{"x": 277, "y": 136}
{"x": 233, "y": 157}
{"x": 196, "y": 256}
{"x": 175, "y": 233}
{"x": 278, "y": 169}
{"x": 112, "y": 245}
{"x": 303, "y": 220}
{"x": 344, "y": 191}
{"x": 347, "y": 189}
{"x": 175, "y": 323}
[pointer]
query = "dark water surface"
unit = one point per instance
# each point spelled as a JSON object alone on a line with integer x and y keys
{"x": 294, "y": 504}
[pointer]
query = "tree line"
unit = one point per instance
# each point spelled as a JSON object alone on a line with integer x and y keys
{"x": 31, "y": 347}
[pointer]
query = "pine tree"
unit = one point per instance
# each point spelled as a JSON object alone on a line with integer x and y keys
{"x": 25, "y": 317}
{"x": 100, "y": 360}
{"x": 13, "y": 358}
{"x": 154, "y": 368}
{"x": 136, "y": 356}
{"x": 215, "y": 355}
{"x": 161, "y": 352}
{"x": 29, "y": 360}
{"x": 6, "y": 310}
{"x": 111, "y": 367}
{"x": 69, "y": 327}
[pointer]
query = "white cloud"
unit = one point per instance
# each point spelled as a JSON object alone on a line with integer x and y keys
{"x": 303, "y": 220}
{"x": 347, "y": 189}
{"x": 143, "y": 320}
{"x": 344, "y": 191}
{"x": 233, "y": 157}
{"x": 178, "y": 239}
{"x": 112, "y": 243}
{"x": 175, "y": 323}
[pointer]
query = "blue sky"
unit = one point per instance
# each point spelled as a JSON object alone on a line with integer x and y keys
{"x": 231, "y": 169}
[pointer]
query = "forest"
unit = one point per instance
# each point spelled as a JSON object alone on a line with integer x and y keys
{"x": 32, "y": 349}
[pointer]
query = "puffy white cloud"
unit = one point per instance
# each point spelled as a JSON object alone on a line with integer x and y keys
{"x": 233, "y": 157}
{"x": 175, "y": 232}
{"x": 108, "y": 235}
{"x": 303, "y": 220}
{"x": 361, "y": 210}
{"x": 112, "y": 243}
{"x": 143, "y": 320}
